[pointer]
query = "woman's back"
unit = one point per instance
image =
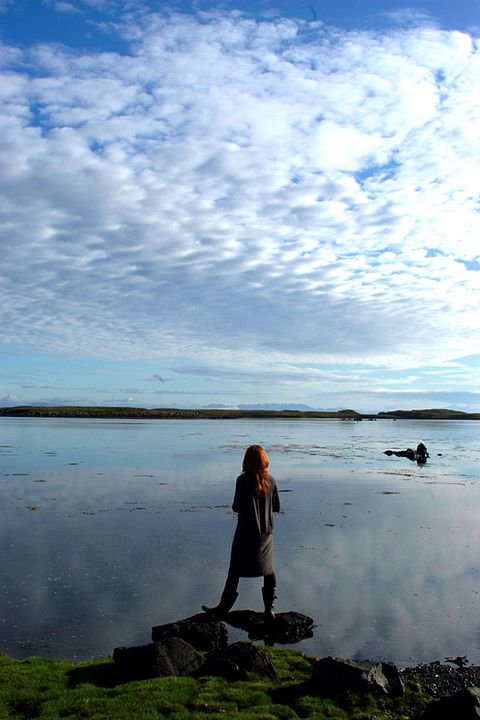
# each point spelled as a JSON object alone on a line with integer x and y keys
{"x": 255, "y": 511}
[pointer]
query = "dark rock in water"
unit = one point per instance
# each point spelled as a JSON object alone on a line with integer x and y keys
{"x": 464, "y": 705}
{"x": 408, "y": 453}
{"x": 420, "y": 454}
{"x": 174, "y": 656}
{"x": 238, "y": 661}
{"x": 288, "y": 627}
{"x": 291, "y": 627}
{"x": 202, "y": 632}
{"x": 421, "y": 451}
{"x": 334, "y": 676}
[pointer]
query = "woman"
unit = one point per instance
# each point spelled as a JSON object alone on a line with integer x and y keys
{"x": 256, "y": 499}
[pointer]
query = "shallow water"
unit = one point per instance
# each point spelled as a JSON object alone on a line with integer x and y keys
{"x": 109, "y": 527}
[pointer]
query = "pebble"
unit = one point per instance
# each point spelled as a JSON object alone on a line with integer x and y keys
{"x": 440, "y": 680}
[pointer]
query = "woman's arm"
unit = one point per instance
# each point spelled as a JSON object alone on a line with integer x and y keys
{"x": 275, "y": 499}
{"x": 237, "y": 500}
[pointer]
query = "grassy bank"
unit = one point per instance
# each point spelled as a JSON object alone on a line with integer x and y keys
{"x": 56, "y": 689}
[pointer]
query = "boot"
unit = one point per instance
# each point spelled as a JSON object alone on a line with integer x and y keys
{"x": 221, "y": 610}
{"x": 268, "y": 598}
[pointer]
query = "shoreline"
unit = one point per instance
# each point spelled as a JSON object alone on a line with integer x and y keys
{"x": 134, "y": 413}
{"x": 285, "y": 683}
{"x": 437, "y": 677}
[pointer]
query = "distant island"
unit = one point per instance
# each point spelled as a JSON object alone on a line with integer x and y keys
{"x": 99, "y": 412}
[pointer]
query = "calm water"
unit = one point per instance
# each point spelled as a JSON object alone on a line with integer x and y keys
{"x": 110, "y": 527}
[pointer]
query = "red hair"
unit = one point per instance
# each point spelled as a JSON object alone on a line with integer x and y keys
{"x": 255, "y": 464}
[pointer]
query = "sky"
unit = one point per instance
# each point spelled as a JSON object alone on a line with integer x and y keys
{"x": 240, "y": 203}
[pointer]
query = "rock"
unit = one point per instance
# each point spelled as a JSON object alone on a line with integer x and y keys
{"x": 238, "y": 661}
{"x": 225, "y": 668}
{"x": 173, "y": 656}
{"x": 201, "y": 631}
{"x": 288, "y": 627}
{"x": 334, "y": 676}
{"x": 420, "y": 454}
{"x": 464, "y": 705}
{"x": 396, "y": 686}
{"x": 408, "y": 453}
{"x": 291, "y": 627}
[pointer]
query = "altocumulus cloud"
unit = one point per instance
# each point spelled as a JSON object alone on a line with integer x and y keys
{"x": 272, "y": 189}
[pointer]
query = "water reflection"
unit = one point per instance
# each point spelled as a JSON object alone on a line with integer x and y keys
{"x": 382, "y": 554}
{"x": 398, "y": 576}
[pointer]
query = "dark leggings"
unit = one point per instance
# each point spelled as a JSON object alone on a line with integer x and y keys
{"x": 231, "y": 585}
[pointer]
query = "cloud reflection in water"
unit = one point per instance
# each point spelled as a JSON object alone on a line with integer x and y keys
{"x": 383, "y": 555}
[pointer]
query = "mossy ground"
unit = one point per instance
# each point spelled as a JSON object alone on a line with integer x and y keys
{"x": 56, "y": 689}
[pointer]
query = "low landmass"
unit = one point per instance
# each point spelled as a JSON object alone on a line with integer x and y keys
{"x": 103, "y": 412}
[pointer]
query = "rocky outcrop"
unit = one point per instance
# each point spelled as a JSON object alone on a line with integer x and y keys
{"x": 464, "y": 705}
{"x": 334, "y": 676}
{"x": 173, "y": 656}
{"x": 198, "y": 645}
{"x": 238, "y": 661}
{"x": 202, "y": 632}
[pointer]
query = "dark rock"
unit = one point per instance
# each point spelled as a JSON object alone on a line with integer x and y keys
{"x": 201, "y": 631}
{"x": 396, "y": 686}
{"x": 173, "y": 656}
{"x": 334, "y": 676}
{"x": 238, "y": 661}
{"x": 464, "y": 705}
{"x": 288, "y": 627}
{"x": 225, "y": 668}
{"x": 420, "y": 454}
{"x": 458, "y": 660}
{"x": 408, "y": 453}
{"x": 291, "y": 627}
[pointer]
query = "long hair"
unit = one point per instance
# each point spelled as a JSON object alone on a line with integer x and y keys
{"x": 255, "y": 465}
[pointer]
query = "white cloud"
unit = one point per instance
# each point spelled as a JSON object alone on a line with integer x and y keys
{"x": 62, "y": 7}
{"x": 246, "y": 189}
{"x": 410, "y": 16}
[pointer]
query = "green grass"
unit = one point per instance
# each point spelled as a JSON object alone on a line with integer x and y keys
{"x": 59, "y": 690}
